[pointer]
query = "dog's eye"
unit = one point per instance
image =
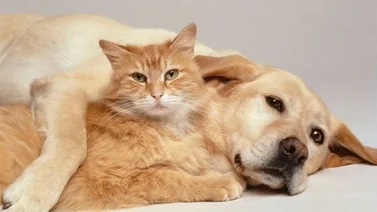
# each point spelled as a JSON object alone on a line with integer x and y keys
{"x": 317, "y": 136}
{"x": 275, "y": 102}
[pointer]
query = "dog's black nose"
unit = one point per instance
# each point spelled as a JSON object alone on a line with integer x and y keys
{"x": 292, "y": 151}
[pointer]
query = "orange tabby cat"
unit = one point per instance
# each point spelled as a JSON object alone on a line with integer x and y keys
{"x": 135, "y": 154}
{"x": 160, "y": 82}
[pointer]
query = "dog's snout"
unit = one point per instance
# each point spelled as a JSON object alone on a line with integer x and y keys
{"x": 292, "y": 151}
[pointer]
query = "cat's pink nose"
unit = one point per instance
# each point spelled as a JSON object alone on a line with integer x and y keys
{"x": 157, "y": 96}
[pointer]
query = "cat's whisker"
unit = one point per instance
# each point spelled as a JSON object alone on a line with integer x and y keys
{"x": 107, "y": 117}
{"x": 128, "y": 110}
{"x": 127, "y": 101}
{"x": 117, "y": 116}
{"x": 123, "y": 104}
{"x": 182, "y": 100}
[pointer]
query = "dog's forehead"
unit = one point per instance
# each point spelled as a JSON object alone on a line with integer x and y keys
{"x": 292, "y": 90}
{"x": 285, "y": 80}
{"x": 289, "y": 85}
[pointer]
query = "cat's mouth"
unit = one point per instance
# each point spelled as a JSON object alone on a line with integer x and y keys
{"x": 159, "y": 109}
{"x": 158, "y": 105}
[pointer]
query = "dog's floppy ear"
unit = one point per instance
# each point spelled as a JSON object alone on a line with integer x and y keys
{"x": 346, "y": 149}
{"x": 226, "y": 70}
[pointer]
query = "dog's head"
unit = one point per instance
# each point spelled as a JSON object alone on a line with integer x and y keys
{"x": 279, "y": 130}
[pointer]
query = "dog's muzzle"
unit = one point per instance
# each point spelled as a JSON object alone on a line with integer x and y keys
{"x": 292, "y": 154}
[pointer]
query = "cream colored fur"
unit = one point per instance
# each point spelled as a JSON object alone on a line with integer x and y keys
{"x": 12, "y": 28}
{"x": 69, "y": 44}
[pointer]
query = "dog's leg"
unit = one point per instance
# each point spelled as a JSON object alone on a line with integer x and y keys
{"x": 59, "y": 108}
{"x": 39, "y": 186}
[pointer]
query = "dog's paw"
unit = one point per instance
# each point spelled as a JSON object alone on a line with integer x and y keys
{"x": 31, "y": 192}
{"x": 24, "y": 204}
{"x": 227, "y": 188}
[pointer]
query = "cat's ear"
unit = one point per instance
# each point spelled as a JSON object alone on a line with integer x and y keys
{"x": 115, "y": 53}
{"x": 346, "y": 149}
{"x": 185, "y": 40}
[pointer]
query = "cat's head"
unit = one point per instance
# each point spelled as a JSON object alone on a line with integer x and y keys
{"x": 155, "y": 80}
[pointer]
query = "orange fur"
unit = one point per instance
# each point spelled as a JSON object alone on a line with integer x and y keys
{"x": 133, "y": 159}
{"x": 19, "y": 142}
{"x": 178, "y": 97}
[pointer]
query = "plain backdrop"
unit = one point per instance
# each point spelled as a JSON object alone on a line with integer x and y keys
{"x": 332, "y": 44}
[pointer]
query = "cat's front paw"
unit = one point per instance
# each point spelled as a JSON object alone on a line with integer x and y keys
{"x": 227, "y": 188}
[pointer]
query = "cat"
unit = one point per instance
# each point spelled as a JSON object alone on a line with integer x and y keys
{"x": 135, "y": 156}
{"x": 159, "y": 82}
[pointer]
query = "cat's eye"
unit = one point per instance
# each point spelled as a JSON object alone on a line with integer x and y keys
{"x": 138, "y": 77}
{"x": 317, "y": 136}
{"x": 171, "y": 74}
{"x": 275, "y": 102}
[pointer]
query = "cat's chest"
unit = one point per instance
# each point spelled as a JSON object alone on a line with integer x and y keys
{"x": 136, "y": 145}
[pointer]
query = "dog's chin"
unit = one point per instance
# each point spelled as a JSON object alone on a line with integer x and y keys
{"x": 297, "y": 183}
{"x": 294, "y": 183}
{"x": 275, "y": 179}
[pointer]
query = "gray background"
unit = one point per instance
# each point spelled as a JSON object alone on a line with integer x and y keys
{"x": 332, "y": 44}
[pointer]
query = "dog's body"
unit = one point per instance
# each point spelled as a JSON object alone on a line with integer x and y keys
{"x": 12, "y": 27}
{"x": 253, "y": 125}
{"x": 61, "y": 43}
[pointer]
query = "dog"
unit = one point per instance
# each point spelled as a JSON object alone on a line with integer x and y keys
{"x": 277, "y": 127}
